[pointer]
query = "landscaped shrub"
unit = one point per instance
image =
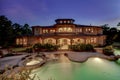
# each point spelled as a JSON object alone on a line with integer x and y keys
{"x": 2, "y": 71}
{"x": 37, "y": 47}
{"x": 81, "y": 47}
{"x": 108, "y": 50}
{"x": 29, "y": 50}
{"x": 89, "y": 47}
{"x": 45, "y": 47}
{"x": 17, "y": 46}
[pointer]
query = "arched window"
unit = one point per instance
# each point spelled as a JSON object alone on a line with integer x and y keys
{"x": 49, "y": 40}
{"x": 64, "y": 21}
{"x": 61, "y": 22}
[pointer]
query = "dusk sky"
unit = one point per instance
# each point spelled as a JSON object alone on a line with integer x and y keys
{"x": 44, "y": 12}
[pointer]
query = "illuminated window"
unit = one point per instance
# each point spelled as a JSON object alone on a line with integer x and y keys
{"x": 87, "y": 41}
{"x": 64, "y": 21}
{"x": 60, "y": 29}
{"x": 95, "y": 40}
{"x": 92, "y": 40}
{"x": 77, "y": 30}
{"x": 68, "y": 21}
{"x": 45, "y": 31}
{"x": 90, "y": 30}
{"x": 24, "y": 41}
{"x": 80, "y": 40}
{"x": 60, "y": 21}
{"x": 52, "y": 31}
{"x": 49, "y": 40}
{"x": 80, "y": 30}
{"x": 69, "y": 30}
{"x": 65, "y": 29}
{"x": 21, "y": 41}
{"x": 17, "y": 41}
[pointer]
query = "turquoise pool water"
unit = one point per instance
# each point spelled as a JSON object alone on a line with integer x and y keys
{"x": 117, "y": 51}
{"x": 93, "y": 69}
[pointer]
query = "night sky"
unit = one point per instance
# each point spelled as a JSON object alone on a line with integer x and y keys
{"x": 44, "y": 12}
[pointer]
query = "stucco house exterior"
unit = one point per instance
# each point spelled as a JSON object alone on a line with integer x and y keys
{"x": 64, "y": 33}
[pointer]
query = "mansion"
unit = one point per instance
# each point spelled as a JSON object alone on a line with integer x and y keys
{"x": 64, "y": 33}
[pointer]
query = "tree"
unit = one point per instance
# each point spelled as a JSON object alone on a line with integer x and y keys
{"x": 26, "y": 30}
{"x": 17, "y": 29}
{"x": 118, "y": 24}
{"x": 6, "y": 32}
{"x": 105, "y": 28}
{"x": 9, "y": 31}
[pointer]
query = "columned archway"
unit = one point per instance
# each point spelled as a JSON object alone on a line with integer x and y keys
{"x": 64, "y": 43}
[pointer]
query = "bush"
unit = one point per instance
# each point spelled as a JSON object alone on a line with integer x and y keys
{"x": 37, "y": 47}
{"x": 18, "y": 46}
{"x": 29, "y": 50}
{"x": 89, "y": 47}
{"x": 2, "y": 71}
{"x": 45, "y": 47}
{"x": 108, "y": 50}
{"x": 81, "y": 47}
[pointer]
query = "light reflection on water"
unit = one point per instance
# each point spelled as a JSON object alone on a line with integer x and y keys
{"x": 117, "y": 51}
{"x": 93, "y": 69}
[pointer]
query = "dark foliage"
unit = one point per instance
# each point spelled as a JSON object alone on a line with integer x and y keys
{"x": 81, "y": 47}
{"x": 45, "y": 47}
{"x": 29, "y": 50}
{"x": 108, "y": 50}
{"x": 9, "y": 31}
{"x": 112, "y": 33}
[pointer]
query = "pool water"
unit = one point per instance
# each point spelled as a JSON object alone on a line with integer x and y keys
{"x": 117, "y": 51}
{"x": 93, "y": 69}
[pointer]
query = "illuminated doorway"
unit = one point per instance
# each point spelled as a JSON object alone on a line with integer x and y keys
{"x": 64, "y": 43}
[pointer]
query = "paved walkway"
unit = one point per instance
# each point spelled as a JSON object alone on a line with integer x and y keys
{"x": 83, "y": 56}
{"x": 73, "y": 56}
{"x": 10, "y": 61}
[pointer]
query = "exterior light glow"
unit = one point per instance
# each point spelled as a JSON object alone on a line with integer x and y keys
{"x": 98, "y": 59}
{"x": 33, "y": 62}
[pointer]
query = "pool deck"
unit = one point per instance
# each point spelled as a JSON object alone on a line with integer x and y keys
{"x": 84, "y": 56}
{"x": 73, "y": 56}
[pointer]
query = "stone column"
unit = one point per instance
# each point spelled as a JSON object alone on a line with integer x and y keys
{"x": 42, "y": 41}
{"x": 56, "y": 41}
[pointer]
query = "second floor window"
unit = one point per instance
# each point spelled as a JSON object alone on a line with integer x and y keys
{"x": 45, "y": 31}
{"x": 89, "y": 30}
{"x": 65, "y": 29}
{"x": 52, "y": 31}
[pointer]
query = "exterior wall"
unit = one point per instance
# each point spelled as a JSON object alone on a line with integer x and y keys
{"x": 94, "y": 40}
{"x": 22, "y": 41}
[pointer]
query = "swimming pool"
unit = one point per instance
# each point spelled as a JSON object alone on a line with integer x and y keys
{"x": 92, "y": 69}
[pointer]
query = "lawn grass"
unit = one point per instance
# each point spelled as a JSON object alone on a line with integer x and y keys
{"x": 19, "y": 49}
